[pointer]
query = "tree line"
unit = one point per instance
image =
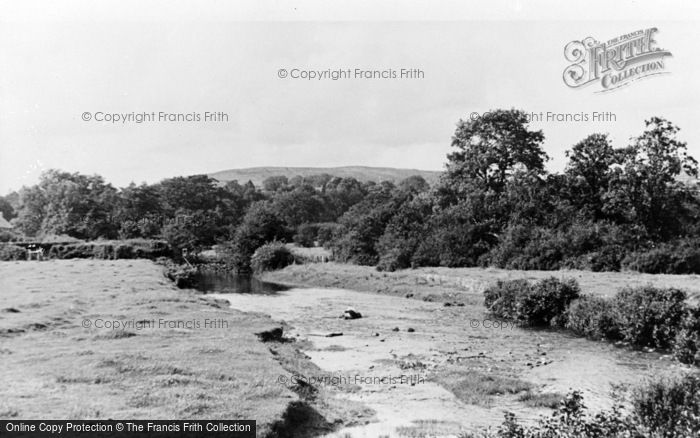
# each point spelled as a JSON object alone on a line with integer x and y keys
{"x": 495, "y": 205}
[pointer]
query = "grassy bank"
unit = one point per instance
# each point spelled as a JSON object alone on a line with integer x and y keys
{"x": 196, "y": 359}
{"x": 465, "y": 285}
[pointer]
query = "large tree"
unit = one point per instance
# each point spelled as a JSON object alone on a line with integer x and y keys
{"x": 78, "y": 205}
{"x": 489, "y": 149}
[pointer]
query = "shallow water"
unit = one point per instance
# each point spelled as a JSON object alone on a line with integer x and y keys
{"x": 369, "y": 347}
{"x": 227, "y": 283}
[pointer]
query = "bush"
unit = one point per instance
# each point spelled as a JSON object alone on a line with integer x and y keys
{"x": 669, "y": 408}
{"x": 593, "y": 317}
{"x": 270, "y": 257}
{"x": 686, "y": 346}
{"x": 660, "y": 409}
{"x": 538, "y": 304}
{"x": 669, "y": 258}
{"x": 649, "y": 316}
{"x": 9, "y": 236}
{"x": 549, "y": 300}
{"x": 107, "y": 249}
{"x": 525, "y": 247}
{"x": 503, "y": 298}
{"x": 12, "y": 252}
{"x": 182, "y": 275}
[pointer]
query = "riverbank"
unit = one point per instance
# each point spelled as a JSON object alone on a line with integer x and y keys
{"x": 91, "y": 339}
{"x": 464, "y": 285}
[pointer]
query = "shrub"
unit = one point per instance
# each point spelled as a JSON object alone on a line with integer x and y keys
{"x": 669, "y": 258}
{"x": 548, "y": 301}
{"x": 9, "y": 236}
{"x": 669, "y": 407}
{"x": 182, "y": 275}
{"x": 503, "y": 298}
{"x": 270, "y": 257}
{"x": 593, "y": 317}
{"x": 124, "y": 251}
{"x": 649, "y": 316}
{"x": 12, "y": 252}
{"x": 662, "y": 408}
{"x": 107, "y": 249}
{"x": 686, "y": 346}
{"x": 541, "y": 303}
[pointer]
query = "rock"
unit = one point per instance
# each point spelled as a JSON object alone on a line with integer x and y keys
{"x": 395, "y": 329}
{"x": 448, "y": 304}
{"x": 351, "y": 313}
{"x": 375, "y": 334}
{"x": 334, "y": 334}
{"x": 273, "y": 335}
{"x": 411, "y": 330}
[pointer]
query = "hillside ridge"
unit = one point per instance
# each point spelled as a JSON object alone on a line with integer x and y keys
{"x": 362, "y": 173}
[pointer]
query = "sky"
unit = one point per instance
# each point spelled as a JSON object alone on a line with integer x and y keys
{"x": 62, "y": 60}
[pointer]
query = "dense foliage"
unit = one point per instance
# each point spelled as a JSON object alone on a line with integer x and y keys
{"x": 640, "y": 317}
{"x": 612, "y": 208}
{"x": 536, "y": 304}
{"x": 663, "y": 408}
{"x": 271, "y": 256}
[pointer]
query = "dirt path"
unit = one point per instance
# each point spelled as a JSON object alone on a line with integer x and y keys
{"x": 446, "y": 347}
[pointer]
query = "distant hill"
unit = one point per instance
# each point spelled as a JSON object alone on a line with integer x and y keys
{"x": 377, "y": 174}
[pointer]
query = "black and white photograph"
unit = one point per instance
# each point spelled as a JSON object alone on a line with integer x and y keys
{"x": 349, "y": 219}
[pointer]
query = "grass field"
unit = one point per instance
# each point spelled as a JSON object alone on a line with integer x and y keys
{"x": 54, "y": 367}
{"x": 465, "y": 284}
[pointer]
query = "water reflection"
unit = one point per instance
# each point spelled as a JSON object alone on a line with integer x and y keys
{"x": 229, "y": 283}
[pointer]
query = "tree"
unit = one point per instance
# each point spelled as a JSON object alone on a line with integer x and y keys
{"x": 139, "y": 211}
{"x": 341, "y": 194}
{"x": 275, "y": 183}
{"x": 593, "y": 164}
{"x": 78, "y": 205}
{"x": 648, "y": 187}
{"x": 490, "y": 149}
{"x": 301, "y": 205}
{"x": 414, "y": 184}
{"x": 260, "y": 225}
{"x": 404, "y": 232}
{"x": 6, "y": 209}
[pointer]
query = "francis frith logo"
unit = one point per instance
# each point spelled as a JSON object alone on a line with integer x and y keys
{"x": 614, "y": 63}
